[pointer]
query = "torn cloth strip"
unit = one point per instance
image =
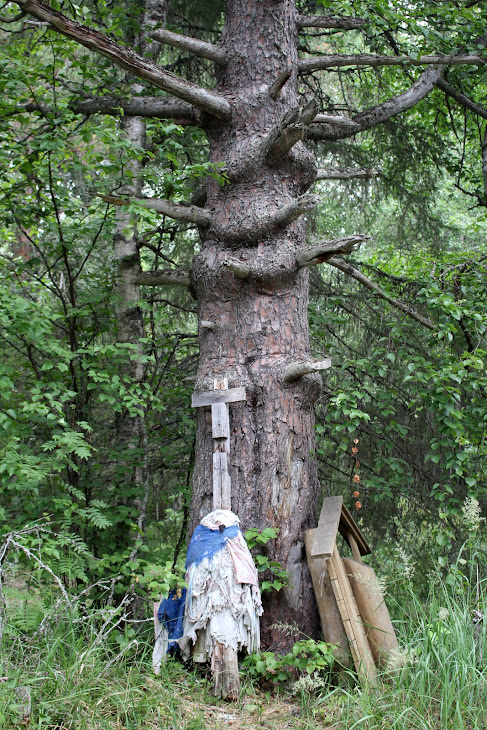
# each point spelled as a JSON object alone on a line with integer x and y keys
{"x": 206, "y": 542}
{"x": 170, "y": 614}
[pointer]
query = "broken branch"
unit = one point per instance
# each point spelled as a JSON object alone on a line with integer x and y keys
{"x": 138, "y": 106}
{"x": 166, "y": 277}
{"x": 306, "y": 65}
{"x": 289, "y": 130}
{"x": 264, "y": 226}
{"x": 238, "y": 268}
{"x": 193, "y": 45}
{"x": 178, "y": 211}
{"x": 276, "y": 88}
{"x": 331, "y": 119}
{"x": 324, "y": 251}
{"x": 380, "y": 113}
{"x": 295, "y": 209}
{"x": 142, "y": 68}
{"x": 358, "y": 276}
{"x": 296, "y": 370}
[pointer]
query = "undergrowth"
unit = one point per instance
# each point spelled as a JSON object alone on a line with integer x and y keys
{"x": 85, "y": 672}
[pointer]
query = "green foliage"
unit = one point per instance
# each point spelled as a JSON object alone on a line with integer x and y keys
{"x": 306, "y": 655}
{"x": 280, "y": 577}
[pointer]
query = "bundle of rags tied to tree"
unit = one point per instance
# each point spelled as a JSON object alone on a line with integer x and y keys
{"x": 222, "y": 604}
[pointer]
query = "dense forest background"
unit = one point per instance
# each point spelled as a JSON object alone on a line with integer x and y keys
{"x": 413, "y": 396}
{"x": 97, "y": 434}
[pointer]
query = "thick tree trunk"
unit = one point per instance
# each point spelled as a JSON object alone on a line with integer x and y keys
{"x": 261, "y": 322}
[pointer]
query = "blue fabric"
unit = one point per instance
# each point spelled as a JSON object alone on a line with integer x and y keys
{"x": 205, "y": 543}
{"x": 170, "y": 613}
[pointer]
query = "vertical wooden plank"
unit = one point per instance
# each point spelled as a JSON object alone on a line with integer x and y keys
{"x": 373, "y": 610}
{"x": 221, "y": 481}
{"x": 365, "y": 667}
{"x": 220, "y": 384}
{"x": 331, "y": 620}
{"x": 217, "y": 481}
{"x": 327, "y": 530}
{"x": 354, "y": 548}
{"x": 221, "y": 431}
{"x": 220, "y": 422}
{"x": 226, "y": 489}
{"x": 224, "y": 669}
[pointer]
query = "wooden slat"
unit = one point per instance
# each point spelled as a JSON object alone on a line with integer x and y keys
{"x": 364, "y": 662}
{"x": 209, "y": 397}
{"x": 221, "y": 481}
{"x": 354, "y": 547}
{"x": 326, "y": 532}
{"x": 331, "y": 621}
{"x": 348, "y": 527}
{"x": 220, "y": 422}
{"x": 373, "y": 610}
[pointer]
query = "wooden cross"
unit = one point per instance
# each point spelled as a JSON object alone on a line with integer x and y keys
{"x": 218, "y": 399}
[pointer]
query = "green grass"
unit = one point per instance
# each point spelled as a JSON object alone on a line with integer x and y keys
{"x": 84, "y": 673}
{"x": 440, "y": 681}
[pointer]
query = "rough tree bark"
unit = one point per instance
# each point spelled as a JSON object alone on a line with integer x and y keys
{"x": 261, "y": 322}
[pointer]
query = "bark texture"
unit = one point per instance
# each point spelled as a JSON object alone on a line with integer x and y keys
{"x": 260, "y": 321}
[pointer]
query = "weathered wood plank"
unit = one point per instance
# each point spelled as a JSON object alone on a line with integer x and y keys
{"x": 209, "y": 397}
{"x": 217, "y": 481}
{"x": 159, "y": 653}
{"x": 354, "y": 548}
{"x": 331, "y": 621}
{"x": 221, "y": 481}
{"x": 220, "y": 421}
{"x": 365, "y": 665}
{"x": 373, "y": 610}
{"x": 326, "y": 532}
{"x": 224, "y": 670}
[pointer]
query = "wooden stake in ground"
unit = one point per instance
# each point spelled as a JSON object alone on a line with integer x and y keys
{"x": 224, "y": 663}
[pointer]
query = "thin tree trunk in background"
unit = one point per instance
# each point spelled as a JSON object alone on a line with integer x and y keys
{"x": 131, "y": 431}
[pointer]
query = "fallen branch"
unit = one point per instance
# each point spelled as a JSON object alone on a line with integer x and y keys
{"x": 362, "y": 279}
